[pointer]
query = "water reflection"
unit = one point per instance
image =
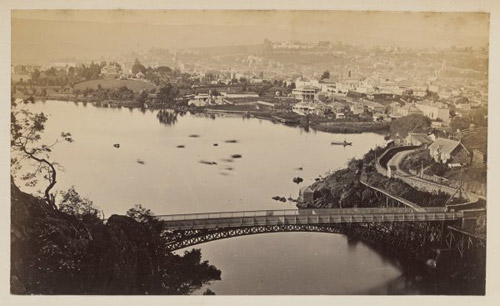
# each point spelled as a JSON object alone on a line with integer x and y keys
{"x": 167, "y": 117}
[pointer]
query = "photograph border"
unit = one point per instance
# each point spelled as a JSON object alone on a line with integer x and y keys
{"x": 493, "y": 246}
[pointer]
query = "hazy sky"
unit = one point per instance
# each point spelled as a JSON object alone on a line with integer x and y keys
{"x": 53, "y": 34}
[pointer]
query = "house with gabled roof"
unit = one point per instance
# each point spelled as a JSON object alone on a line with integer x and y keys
{"x": 419, "y": 139}
{"x": 444, "y": 150}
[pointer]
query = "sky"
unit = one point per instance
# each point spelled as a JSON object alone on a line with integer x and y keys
{"x": 55, "y": 34}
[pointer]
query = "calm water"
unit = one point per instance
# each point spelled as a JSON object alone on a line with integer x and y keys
{"x": 172, "y": 180}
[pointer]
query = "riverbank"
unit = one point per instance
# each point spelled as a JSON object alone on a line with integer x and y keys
{"x": 342, "y": 189}
{"x": 279, "y": 114}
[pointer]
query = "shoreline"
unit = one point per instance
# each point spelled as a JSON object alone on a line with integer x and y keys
{"x": 334, "y": 127}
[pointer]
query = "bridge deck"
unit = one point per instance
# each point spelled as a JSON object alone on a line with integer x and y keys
{"x": 304, "y": 216}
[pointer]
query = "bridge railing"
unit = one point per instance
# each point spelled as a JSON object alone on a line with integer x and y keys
{"x": 293, "y": 212}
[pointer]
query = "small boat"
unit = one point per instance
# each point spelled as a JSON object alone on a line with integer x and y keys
{"x": 116, "y": 145}
{"x": 236, "y": 156}
{"x": 343, "y": 143}
{"x": 208, "y": 162}
{"x": 232, "y": 141}
{"x": 298, "y": 180}
{"x": 140, "y": 161}
{"x": 216, "y": 144}
{"x": 180, "y": 146}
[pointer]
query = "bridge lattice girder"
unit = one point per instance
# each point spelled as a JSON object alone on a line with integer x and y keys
{"x": 418, "y": 235}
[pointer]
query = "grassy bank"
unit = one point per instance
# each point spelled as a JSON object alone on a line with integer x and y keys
{"x": 352, "y": 127}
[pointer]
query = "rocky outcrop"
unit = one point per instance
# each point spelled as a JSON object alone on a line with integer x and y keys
{"x": 55, "y": 253}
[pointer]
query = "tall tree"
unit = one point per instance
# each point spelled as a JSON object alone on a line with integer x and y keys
{"x": 410, "y": 124}
{"x": 180, "y": 274}
{"x": 26, "y": 129}
{"x": 138, "y": 67}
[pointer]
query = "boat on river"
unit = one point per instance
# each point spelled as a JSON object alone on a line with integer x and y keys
{"x": 341, "y": 143}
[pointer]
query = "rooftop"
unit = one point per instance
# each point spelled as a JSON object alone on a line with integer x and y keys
{"x": 444, "y": 145}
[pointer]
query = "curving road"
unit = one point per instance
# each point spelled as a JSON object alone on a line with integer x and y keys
{"x": 418, "y": 182}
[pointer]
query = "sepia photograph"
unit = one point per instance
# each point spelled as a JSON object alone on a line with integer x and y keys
{"x": 248, "y": 152}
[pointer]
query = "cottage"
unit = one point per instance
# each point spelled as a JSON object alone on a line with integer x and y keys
{"x": 357, "y": 109}
{"x": 434, "y": 110}
{"x": 337, "y": 107}
{"x": 419, "y": 139}
{"x": 409, "y": 109}
{"x": 444, "y": 150}
{"x": 394, "y": 108}
{"x": 305, "y": 108}
{"x": 339, "y": 115}
{"x": 306, "y": 93}
{"x": 200, "y": 100}
{"x": 110, "y": 72}
{"x": 140, "y": 75}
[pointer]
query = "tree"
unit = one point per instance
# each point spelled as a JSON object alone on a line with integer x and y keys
{"x": 167, "y": 94}
{"x": 178, "y": 274}
{"x": 431, "y": 95}
{"x": 138, "y": 67}
{"x": 164, "y": 70}
{"x": 73, "y": 204}
{"x": 35, "y": 75}
{"x": 208, "y": 292}
{"x": 187, "y": 273}
{"x": 26, "y": 129}
{"x": 326, "y": 75}
{"x": 459, "y": 123}
{"x": 140, "y": 214}
{"x": 142, "y": 98}
{"x": 410, "y": 124}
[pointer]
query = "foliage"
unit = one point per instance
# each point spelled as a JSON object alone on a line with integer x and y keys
{"x": 414, "y": 123}
{"x": 82, "y": 208}
{"x": 142, "y": 98}
{"x": 138, "y": 67}
{"x": 458, "y": 123}
{"x": 187, "y": 273}
{"x": 178, "y": 274}
{"x": 438, "y": 169}
{"x": 325, "y": 75}
{"x": 140, "y": 214}
{"x": 66, "y": 77}
{"x": 208, "y": 292}
{"x": 26, "y": 129}
{"x": 167, "y": 94}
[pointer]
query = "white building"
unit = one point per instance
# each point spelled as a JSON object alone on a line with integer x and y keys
{"x": 307, "y": 108}
{"x": 434, "y": 110}
{"x": 200, "y": 100}
{"x": 306, "y": 93}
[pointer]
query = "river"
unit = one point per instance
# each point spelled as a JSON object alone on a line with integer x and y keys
{"x": 150, "y": 168}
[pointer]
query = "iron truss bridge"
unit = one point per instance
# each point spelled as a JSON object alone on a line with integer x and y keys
{"x": 397, "y": 225}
